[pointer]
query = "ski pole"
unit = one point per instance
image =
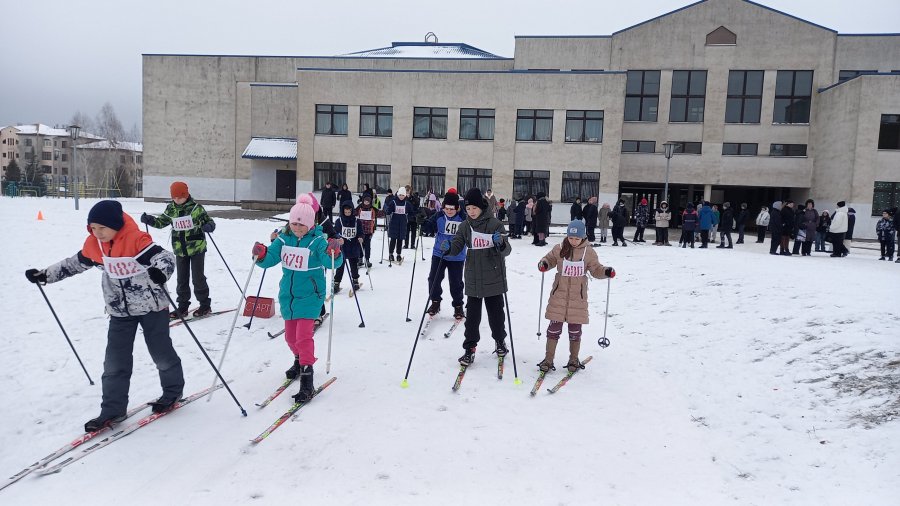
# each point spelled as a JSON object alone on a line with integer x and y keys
{"x": 369, "y": 275}
{"x": 405, "y": 383}
{"x": 218, "y": 374}
{"x": 603, "y": 341}
{"x": 330, "y": 320}
{"x": 541, "y": 304}
{"x": 512, "y": 344}
{"x": 226, "y": 265}
{"x": 256, "y": 300}
{"x": 383, "y": 232}
{"x": 362, "y": 322}
{"x": 411, "y": 280}
{"x": 231, "y": 332}
{"x": 64, "y": 333}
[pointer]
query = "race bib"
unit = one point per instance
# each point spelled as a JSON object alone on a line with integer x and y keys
{"x": 182, "y": 223}
{"x": 400, "y": 209}
{"x": 450, "y": 227}
{"x": 294, "y": 258}
{"x": 348, "y": 232}
{"x": 122, "y": 267}
{"x": 573, "y": 269}
{"x": 481, "y": 241}
{"x": 365, "y": 215}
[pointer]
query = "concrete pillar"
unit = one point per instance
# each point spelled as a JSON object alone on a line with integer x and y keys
{"x": 707, "y": 192}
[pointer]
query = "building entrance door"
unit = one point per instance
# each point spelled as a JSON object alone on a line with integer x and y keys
{"x": 285, "y": 184}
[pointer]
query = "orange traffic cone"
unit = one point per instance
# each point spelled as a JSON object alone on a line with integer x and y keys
{"x": 40, "y": 216}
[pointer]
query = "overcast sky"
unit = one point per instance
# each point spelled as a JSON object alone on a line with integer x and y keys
{"x": 59, "y": 56}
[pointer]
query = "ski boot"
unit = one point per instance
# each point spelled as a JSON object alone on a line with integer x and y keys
{"x": 336, "y": 287}
{"x": 203, "y": 310}
{"x": 306, "y": 384}
{"x": 434, "y": 308}
{"x": 546, "y": 365}
{"x": 458, "y": 312}
{"x": 574, "y": 364}
{"x": 294, "y": 371}
{"x": 399, "y": 260}
{"x": 501, "y": 349}
{"x": 163, "y": 404}
{"x": 355, "y": 284}
{"x": 101, "y": 421}
{"x": 468, "y": 357}
{"x": 391, "y": 258}
{"x": 181, "y": 312}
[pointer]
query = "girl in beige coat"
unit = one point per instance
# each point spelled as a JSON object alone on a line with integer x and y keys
{"x": 574, "y": 258}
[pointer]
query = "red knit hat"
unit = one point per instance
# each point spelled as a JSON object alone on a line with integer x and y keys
{"x": 179, "y": 190}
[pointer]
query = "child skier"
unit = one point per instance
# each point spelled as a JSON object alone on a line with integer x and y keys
{"x": 304, "y": 254}
{"x": 134, "y": 272}
{"x": 189, "y": 223}
{"x": 444, "y": 225}
{"x": 574, "y": 258}
{"x": 366, "y": 214}
{"x": 349, "y": 228}
{"x": 885, "y": 231}
{"x": 485, "y": 272}
{"x": 398, "y": 209}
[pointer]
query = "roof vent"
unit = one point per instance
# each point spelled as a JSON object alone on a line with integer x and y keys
{"x": 721, "y": 36}
{"x": 431, "y": 35}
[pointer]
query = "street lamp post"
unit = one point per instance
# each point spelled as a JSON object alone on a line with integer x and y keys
{"x": 73, "y": 132}
{"x": 669, "y": 150}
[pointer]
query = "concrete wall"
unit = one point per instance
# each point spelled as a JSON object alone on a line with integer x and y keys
{"x": 505, "y": 92}
{"x": 562, "y": 53}
{"x": 866, "y": 52}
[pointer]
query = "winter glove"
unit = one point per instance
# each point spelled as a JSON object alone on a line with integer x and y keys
{"x": 274, "y": 235}
{"x": 543, "y": 266}
{"x": 497, "y": 238}
{"x": 156, "y": 275}
{"x": 146, "y": 218}
{"x": 609, "y": 272}
{"x": 445, "y": 246}
{"x": 259, "y": 250}
{"x": 334, "y": 247}
{"x": 208, "y": 227}
{"x": 36, "y": 276}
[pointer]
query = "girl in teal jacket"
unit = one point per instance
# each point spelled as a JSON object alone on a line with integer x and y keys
{"x": 304, "y": 253}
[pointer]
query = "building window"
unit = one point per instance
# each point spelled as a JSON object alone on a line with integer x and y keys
{"x": 140, "y": 158}
{"x": 534, "y": 125}
{"x": 638, "y": 146}
{"x": 377, "y": 176}
{"x": 688, "y": 148}
{"x": 428, "y": 178}
{"x": 331, "y": 119}
{"x": 329, "y": 172}
{"x": 641, "y": 95}
{"x": 65, "y": 144}
{"x": 845, "y": 75}
{"x": 122, "y": 158}
{"x": 430, "y": 123}
{"x": 889, "y": 135}
{"x": 476, "y": 124}
{"x": 793, "y": 94}
{"x": 46, "y": 143}
{"x": 527, "y": 183}
{"x": 887, "y": 196}
{"x": 473, "y": 178}
{"x": 46, "y": 169}
{"x": 787, "y": 150}
{"x": 584, "y": 126}
{"x": 46, "y": 155}
{"x": 28, "y": 142}
{"x": 745, "y": 149}
{"x": 579, "y": 184}
{"x": 721, "y": 36}
{"x": 376, "y": 121}
{"x": 688, "y": 96}
{"x": 744, "y": 96}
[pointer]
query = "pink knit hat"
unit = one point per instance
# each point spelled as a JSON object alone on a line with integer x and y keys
{"x": 303, "y": 211}
{"x": 312, "y": 200}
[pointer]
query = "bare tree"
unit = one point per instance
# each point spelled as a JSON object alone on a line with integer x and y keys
{"x": 108, "y": 125}
{"x": 134, "y": 135}
{"x": 82, "y": 120}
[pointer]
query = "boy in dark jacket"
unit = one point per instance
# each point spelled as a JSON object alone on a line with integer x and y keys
{"x": 189, "y": 224}
{"x": 349, "y": 228}
{"x": 725, "y": 225}
{"x": 485, "y": 272}
{"x": 885, "y": 231}
{"x": 742, "y": 222}
{"x": 398, "y": 209}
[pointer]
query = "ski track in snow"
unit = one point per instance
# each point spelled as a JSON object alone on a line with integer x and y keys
{"x": 733, "y": 377}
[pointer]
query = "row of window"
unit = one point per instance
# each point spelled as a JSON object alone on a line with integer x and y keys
{"x": 46, "y": 143}
{"x": 474, "y": 124}
{"x": 743, "y": 102}
{"x": 424, "y": 178}
{"x": 728, "y": 148}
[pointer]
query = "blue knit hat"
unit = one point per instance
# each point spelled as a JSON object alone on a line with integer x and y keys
{"x": 107, "y": 213}
{"x": 576, "y": 229}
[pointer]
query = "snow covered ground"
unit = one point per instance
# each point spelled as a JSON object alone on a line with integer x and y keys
{"x": 733, "y": 377}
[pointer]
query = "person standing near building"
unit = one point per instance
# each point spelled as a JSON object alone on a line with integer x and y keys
{"x": 787, "y": 226}
{"x": 641, "y": 218}
{"x": 190, "y": 223}
{"x": 575, "y": 212}
{"x": 344, "y": 195}
{"x": 513, "y": 218}
{"x": 619, "y": 217}
{"x": 809, "y": 223}
{"x": 725, "y": 226}
{"x": 662, "y": 217}
{"x": 822, "y": 225}
{"x": 444, "y": 224}
{"x": 762, "y": 223}
{"x": 603, "y": 221}
{"x": 485, "y": 272}
{"x": 412, "y": 222}
{"x": 541, "y": 220}
{"x": 884, "y": 229}
{"x": 837, "y": 229}
{"x": 328, "y": 200}
{"x": 398, "y": 210}
{"x": 742, "y": 222}
{"x": 706, "y": 223}
{"x": 492, "y": 202}
{"x": 775, "y": 228}
{"x": 591, "y": 213}
{"x": 367, "y": 190}
{"x": 717, "y": 217}
{"x": 689, "y": 222}
{"x": 851, "y": 224}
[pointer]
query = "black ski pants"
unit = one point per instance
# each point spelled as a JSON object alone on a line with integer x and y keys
{"x": 760, "y": 234}
{"x": 704, "y": 238}
{"x": 436, "y": 277}
{"x": 496, "y": 319}
{"x": 192, "y": 267}
{"x": 354, "y": 270}
{"x": 590, "y": 234}
{"x": 367, "y": 246}
{"x": 119, "y": 359}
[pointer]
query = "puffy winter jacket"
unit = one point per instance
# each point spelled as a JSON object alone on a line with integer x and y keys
{"x": 839, "y": 221}
{"x": 590, "y": 213}
{"x": 485, "y": 269}
{"x": 603, "y": 218}
{"x": 187, "y": 242}
{"x": 397, "y": 226}
{"x": 689, "y": 220}
{"x": 762, "y": 219}
{"x": 301, "y": 293}
{"x": 641, "y": 215}
{"x": 575, "y": 212}
{"x": 350, "y": 229}
{"x": 445, "y": 229}
{"x": 569, "y": 296}
{"x": 125, "y": 295}
{"x": 706, "y": 218}
{"x": 727, "y": 223}
{"x": 884, "y": 229}
{"x": 663, "y": 217}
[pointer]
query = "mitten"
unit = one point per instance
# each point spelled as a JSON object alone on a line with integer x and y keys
{"x": 609, "y": 272}
{"x": 146, "y": 218}
{"x": 259, "y": 250}
{"x": 543, "y": 266}
{"x": 36, "y": 276}
{"x": 156, "y": 275}
{"x": 208, "y": 227}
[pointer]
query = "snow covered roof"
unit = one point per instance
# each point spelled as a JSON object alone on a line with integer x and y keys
{"x": 424, "y": 50}
{"x": 104, "y": 144}
{"x": 42, "y": 129}
{"x": 271, "y": 148}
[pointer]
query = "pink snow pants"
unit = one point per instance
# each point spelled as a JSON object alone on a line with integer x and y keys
{"x": 299, "y": 336}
